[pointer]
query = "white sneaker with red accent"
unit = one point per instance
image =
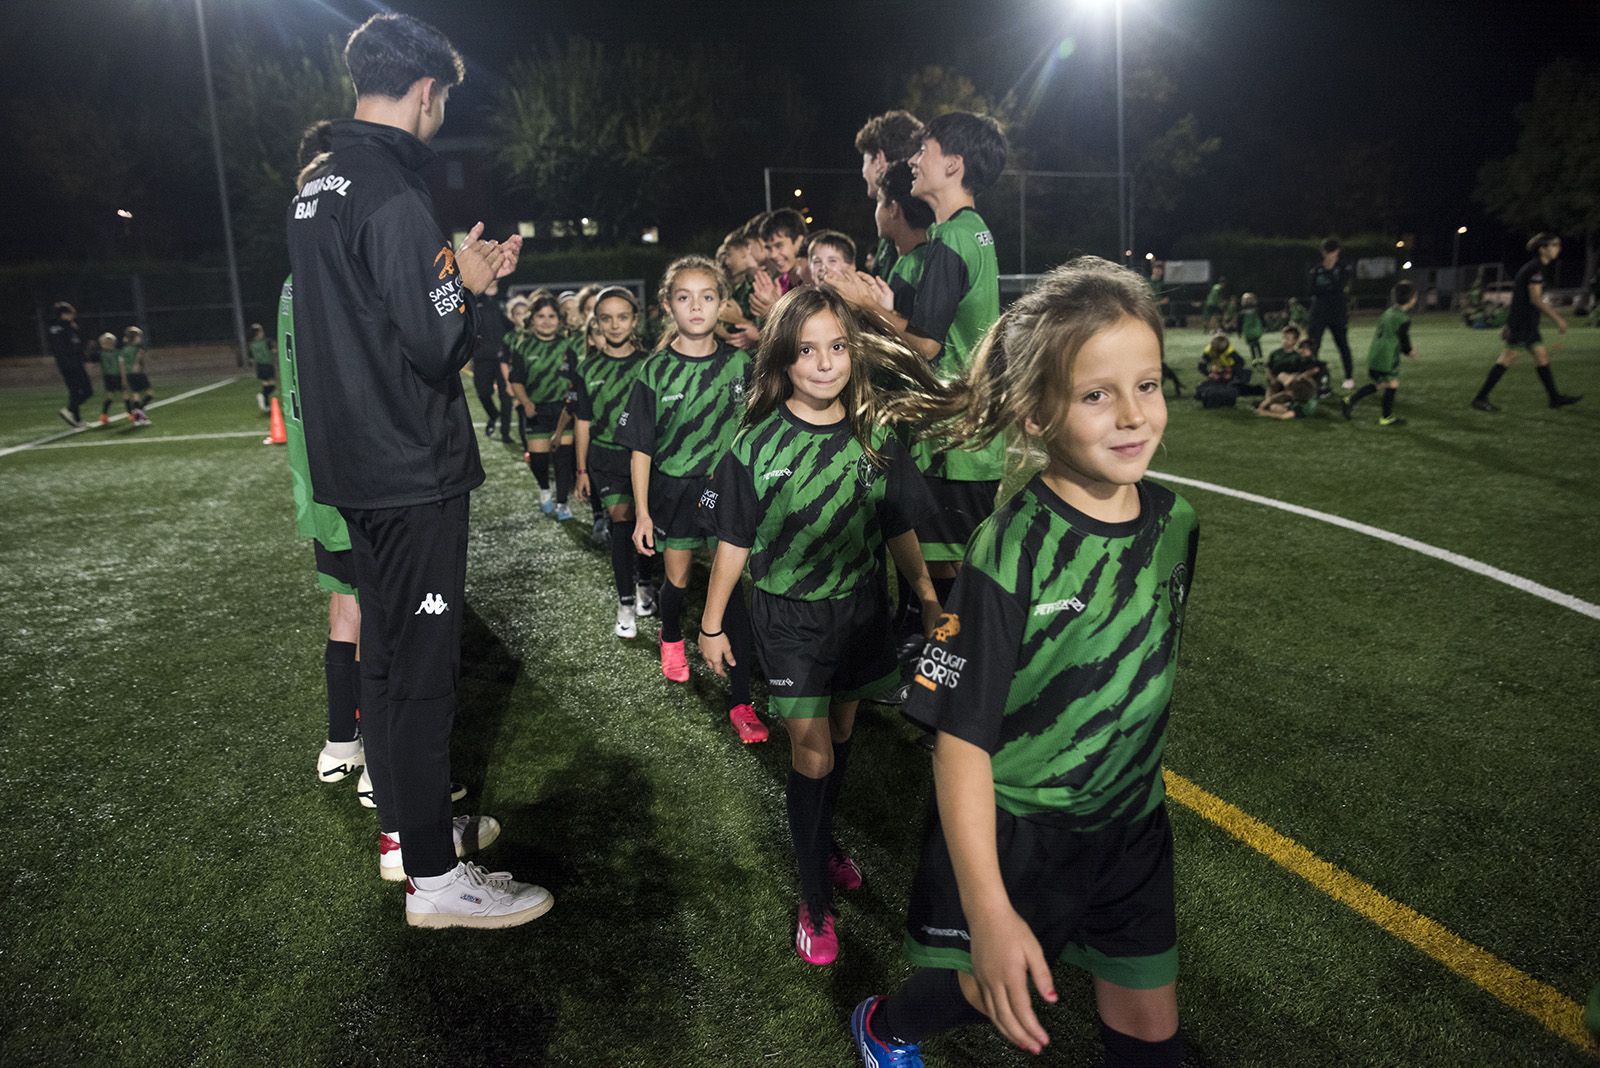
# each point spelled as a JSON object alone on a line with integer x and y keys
{"x": 472, "y": 897}
{"x": 471, "y": 833}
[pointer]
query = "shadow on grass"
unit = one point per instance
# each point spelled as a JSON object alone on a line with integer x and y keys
{"x": 489, "y": 674}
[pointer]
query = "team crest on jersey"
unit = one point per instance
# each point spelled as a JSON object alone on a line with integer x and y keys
{"x": 1178, "y": 590}
{"x": 738, "y": 390}
{"x": 867, "y": 473}
{"x": 948, "y": 627}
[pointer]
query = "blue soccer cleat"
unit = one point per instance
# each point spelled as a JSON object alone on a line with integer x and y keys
{"x": 875, "y": 1053}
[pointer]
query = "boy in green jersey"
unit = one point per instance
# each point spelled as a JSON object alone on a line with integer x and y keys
{"x": 883, "y": 141}
{"x": 1251, "y": 327}
{"x": 111, "y": 377}
{"x": 1049, "y": 680}
{"x": 1211, "y": 307}
{"x": 903, "y": 221}
{"x": 266, "y": 366}
{"x": 958, "y": 299}
{"x": 811, "y": 492}
{"x": 1392, "y": 341}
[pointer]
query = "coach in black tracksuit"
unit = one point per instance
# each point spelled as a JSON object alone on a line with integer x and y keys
{"x": 384, "y": 325}
{"x": 1330, "y": 281}
{"x": 486, "y": 356}
{"x": 66, "y": 345}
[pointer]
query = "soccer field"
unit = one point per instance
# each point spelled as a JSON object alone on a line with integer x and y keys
{"x": 1382, "y": 766}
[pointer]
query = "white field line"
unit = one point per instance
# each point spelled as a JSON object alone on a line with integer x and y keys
{"x": 58, "y": 435}
{"x": 1466, "y": 563}
{"x": 151, "y": 440}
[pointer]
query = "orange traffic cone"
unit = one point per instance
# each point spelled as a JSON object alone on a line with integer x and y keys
{"x": 277, "y": 433}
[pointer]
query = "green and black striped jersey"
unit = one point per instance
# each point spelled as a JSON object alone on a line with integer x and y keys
{"x": 311, "y": 520}
{"x": 904, "y": 278}
{"x": 541, "y": 366}
{"x": 685, "y": 409}
{"x": 603, "y": 385}
{"x": 811, "y": 506}
{"x": 958, "y": 299}
{"x": 1057, "y": 651}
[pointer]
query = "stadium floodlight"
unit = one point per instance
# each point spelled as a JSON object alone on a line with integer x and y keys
{"x": 1406, "y": 266}
{"x": 1400, "y": 244}
{"x": 1150, "y": 256}
{"x": 124, "y": 213}
{"x": 1461, "y": 229}
{"x": 1455, "y": 267}
{"x": 797, "y": 193}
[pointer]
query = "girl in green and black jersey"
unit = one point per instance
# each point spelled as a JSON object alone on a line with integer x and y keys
{"x": 1048, "y": 681}
{"x": 811, "y": 491}
{"x": 679, "y": 421}
{"x": 540, "y": 360}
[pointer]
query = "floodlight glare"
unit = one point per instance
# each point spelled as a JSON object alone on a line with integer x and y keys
{"x": 1461, "y": 229}
{"x": 1399, "y": 244}
{"x": 1149, "y": 255}
{"x": 797, "y": 192}
{"x": 1406, "y": 266}
{"x": 124, "y": 213}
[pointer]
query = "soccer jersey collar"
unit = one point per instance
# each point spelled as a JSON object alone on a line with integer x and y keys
{"x": 842, "y": 423}
{"x": 1088, "y": 523}
{"x": 412, "y": 153}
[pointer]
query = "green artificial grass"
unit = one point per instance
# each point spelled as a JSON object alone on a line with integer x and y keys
{"x": 179, "y": 889}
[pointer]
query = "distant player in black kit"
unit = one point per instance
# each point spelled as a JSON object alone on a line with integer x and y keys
{"x": 66, "y": 345}
{"x": 383, "y": 326}
{"x": 1330, "y": 281}
{"x": 486, "y": 378}
{"x": 1522, "y": 325}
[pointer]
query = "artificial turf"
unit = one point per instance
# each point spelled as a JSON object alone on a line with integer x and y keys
{"x": 179, "y": 889}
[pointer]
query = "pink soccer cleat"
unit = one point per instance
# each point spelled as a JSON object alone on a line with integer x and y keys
{"x": 844, "y": 872}
{"x": 746, "y": 725}
{"x": 674, "y": 664}
{"x": 815, "y": 944}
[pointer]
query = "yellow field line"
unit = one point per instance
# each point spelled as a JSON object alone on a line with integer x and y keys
{"x": 1557, "y": 1012}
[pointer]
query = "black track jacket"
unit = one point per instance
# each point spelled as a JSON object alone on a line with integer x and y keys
{"x": 383, "y": 327}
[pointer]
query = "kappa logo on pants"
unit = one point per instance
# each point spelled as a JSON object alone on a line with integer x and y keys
{"x": 433, "y": 604}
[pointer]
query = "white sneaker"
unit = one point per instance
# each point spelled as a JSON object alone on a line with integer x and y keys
{"x": 1349, "y": 384}
{"x": 332, "y": 768}
{"x": 471, "y": 834}
{"x": 476, "y": 898}
{"x": 626, "y": 626}
{"x": 364, "y": 790}
{"x": 644, "y": 598}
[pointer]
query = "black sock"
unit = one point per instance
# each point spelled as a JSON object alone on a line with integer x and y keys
{"x": 644, "y": 567}
{"x": 1496, "y": 372}
{"x": 623, "y": 567}
{"x": 267, "y": 391}
{"x": 942, "y": 588}
{"x": 594, "y": 503}
{"x": 841, "y": 761}
{"x": 539, "y": 464}
{"x": 928, "y": 1003}
{"x": 671, "y": 612}
{"x": 566, "y": 471}
{"x": 128, "y": 404}
{"x": 105, "y": 408}
{"x": 344, "y": 689}
{"x": 736, "y": 624}
{"x": 804, "y": 800}
{"x": 1125, "y": 1051}
{"x": 1362, "y": 394}
{"x": 1388, "y": 402}
{"x": 1548, "y": 379}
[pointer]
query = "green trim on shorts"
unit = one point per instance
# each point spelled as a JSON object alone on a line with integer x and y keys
{"x": 922, "y": 956}
{"x": 1134, "y": 973}
{"x": 942, "y": 551}
{"x": 875, "y": 688}
{"x": 333, "y": 585}
{"x": 611, "y": 500}
{"x": 541, "y": 435}
{"x": 692, "y": 544}
{"x": 799, "y": 707}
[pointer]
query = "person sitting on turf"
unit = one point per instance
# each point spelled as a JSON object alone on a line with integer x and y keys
{"x": 1219, "y": 362}
{"x": 1295, "y": 398}
{"x": 1294, "y": 357}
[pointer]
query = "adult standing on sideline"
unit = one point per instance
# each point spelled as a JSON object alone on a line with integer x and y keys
{"x": 1522, "y": 325}
{"x": 486, "y": 354}
{"x": 383, "y": 328}
{"x": 66, "y": 345}
{"x": 1330, "y": 284}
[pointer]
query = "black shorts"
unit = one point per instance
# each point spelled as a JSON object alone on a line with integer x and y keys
{"x": 336, "y": 571}
{"x": 610, "y": 475}
{"x": 542, "y": 423}
{"x": 1523, "y": 335}
{"x": 819, "y": 652}
{"x": 1101, "y": 900}
{"x": 266, "y": 372}
{"x": 138, "y": 381}
{"x": 675, "y": 511}
{"x": 112, "y": 383}
{"x": 1379, "y": 377}
{"x": 958, "y": 509}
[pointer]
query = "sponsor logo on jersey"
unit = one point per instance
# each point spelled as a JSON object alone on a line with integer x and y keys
{"x": 946, "y": 932}
{"x": 939, "y": 667}
{"x": 445, "y": 260}
{"x": 447, "y": 298}
{"x": 305, "y": 209}
{"x": 708, "y": 499}
{"x": 328, "y": 183}
{"x": 778, "y": 473}
{"x": 433, "y": 604}
{"x": 984, "y": 237}
{"x": 948, "y": 627}
{"x": 1051, "y": 608}
{"x": 670, "y": 397}
{"x": 623, "y": 421}
{"x": 780, "y": 682}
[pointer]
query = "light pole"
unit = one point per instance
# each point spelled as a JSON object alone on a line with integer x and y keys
{"x": 222, "y": 188}
{"x": 1455, "y": 269}
{"x": 1123, "y": 229}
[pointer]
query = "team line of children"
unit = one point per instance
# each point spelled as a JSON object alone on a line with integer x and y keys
{"x": 808, "y": 424}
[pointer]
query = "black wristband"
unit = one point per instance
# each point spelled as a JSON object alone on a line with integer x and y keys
{"x": 711, "y": 633}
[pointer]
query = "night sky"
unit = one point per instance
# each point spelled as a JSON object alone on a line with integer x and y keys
{"x": 1435, "y": 85}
